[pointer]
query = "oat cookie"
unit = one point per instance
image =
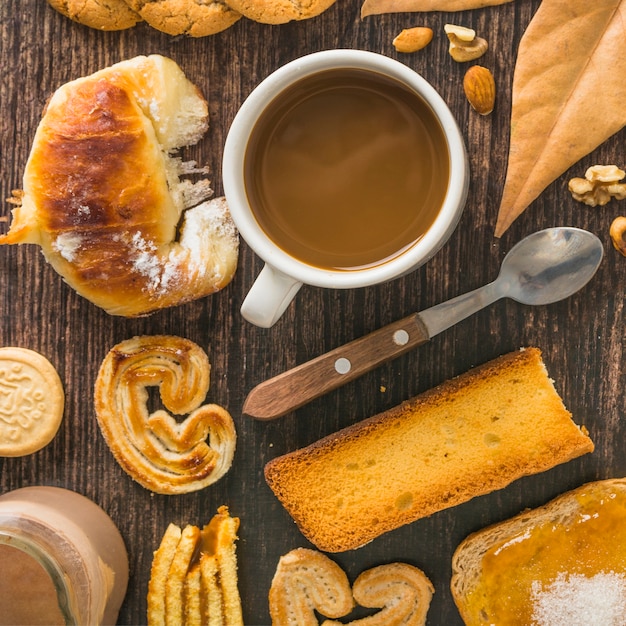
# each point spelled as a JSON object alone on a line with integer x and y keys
{"x": 100, "y": 14}
{"x": 31, "y": 401}
{"x": 196, "y": 18}
{"x": 280, "y": 11}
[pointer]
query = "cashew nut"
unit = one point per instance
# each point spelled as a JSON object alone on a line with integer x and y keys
{"x": 464, "y": 44}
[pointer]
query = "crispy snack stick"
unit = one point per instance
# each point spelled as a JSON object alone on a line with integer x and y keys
{"x": 193, "y": 580}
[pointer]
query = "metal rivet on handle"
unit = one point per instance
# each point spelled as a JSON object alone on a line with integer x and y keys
{"x": 342, "y": 365}
{"x": 401, "y": 337}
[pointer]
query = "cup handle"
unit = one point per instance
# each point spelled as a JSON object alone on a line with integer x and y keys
{"x": 269, "y": 296}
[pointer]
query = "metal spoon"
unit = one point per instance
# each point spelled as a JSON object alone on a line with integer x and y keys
{"x": 545, "y": 267}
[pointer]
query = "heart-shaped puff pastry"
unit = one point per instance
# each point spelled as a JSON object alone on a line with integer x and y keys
{"x": 159, "y": 452}
{"x": 307, "y": 581}
{"x": 103, "y": 195}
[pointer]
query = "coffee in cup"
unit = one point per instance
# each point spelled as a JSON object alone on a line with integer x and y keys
{"x": 346, "y": 169}
{"x": 342, "y": 169}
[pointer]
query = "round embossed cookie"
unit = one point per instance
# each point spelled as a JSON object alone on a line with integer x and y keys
{"x": 279, "y": 11}
{"x": 31, "y": 401}
{"x": 100, "y": 14}
{"x": 196, "y": 18}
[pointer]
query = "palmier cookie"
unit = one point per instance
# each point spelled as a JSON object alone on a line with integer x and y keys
{"x": 280, "y": 11}
{"x": 31, "y": 401}
{"x": 196, "y": 18}
{"x": 161, "y": 453}
{"x": 100, "y": 14}
{"x": 307, "y": 582}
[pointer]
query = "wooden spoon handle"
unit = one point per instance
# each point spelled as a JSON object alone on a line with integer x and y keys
{"x": 294, "y": 388}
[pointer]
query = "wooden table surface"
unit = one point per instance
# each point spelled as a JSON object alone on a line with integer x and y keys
{"x": 582, "y": 338}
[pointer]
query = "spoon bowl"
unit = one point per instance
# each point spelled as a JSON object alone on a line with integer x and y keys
{"x": 550, "y": 265}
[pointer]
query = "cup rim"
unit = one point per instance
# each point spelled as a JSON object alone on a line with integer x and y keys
{"x": 233, "y": 175}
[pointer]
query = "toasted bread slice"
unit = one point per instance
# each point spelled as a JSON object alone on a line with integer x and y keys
{"x": 467, "y": 437}
{"x": 562, "y": 563}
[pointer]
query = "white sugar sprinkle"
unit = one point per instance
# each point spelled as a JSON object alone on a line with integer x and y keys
{"x": 577, "y": 600}
{"x": 146, "y": 261}
{"x": 67, "y": 244}
{"x": 204, "y": 232}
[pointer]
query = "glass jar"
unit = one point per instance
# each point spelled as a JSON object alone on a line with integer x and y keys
{"x": 62, "y": 559}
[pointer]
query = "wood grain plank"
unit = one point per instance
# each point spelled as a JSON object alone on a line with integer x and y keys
{"x": 583, "y": 339}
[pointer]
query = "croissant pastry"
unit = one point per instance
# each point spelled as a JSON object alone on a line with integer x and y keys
{"x": 103, "y": 195}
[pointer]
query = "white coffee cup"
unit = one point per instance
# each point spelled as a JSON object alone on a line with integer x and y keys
{"x": 283, "y": 274}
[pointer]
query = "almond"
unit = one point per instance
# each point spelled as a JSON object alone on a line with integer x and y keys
{"x": 480, "y": 89}
{"x": 413, "y": 39}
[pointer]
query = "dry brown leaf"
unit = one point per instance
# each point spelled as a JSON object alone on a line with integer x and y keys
{"x": 376, "y": 7}
{"x": 568, "y": 95}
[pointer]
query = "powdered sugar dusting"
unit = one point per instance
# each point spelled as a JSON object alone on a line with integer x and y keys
{"x": 148, "y": 263}
{"x": 67, "y": 245}
{"x": 208, "y": 235}
{"x": 576, "y": 600}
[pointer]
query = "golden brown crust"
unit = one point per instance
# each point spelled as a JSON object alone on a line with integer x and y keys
{"x": 31, "y": 401}
{"x": 162, "y": 454}
{"x": 100, "y": 14}
{"x": 103, "y": 197}
{"x": 467, "y": 437}
{"x": 196, "y": 18}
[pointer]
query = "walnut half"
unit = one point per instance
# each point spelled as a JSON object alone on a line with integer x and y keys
{"x": 601, "y": 183}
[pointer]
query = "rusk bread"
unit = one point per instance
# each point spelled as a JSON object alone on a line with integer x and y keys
{"x": 104, "y": 198}
{"x": 467, "y": 437}
{"x": 562, "y": 564}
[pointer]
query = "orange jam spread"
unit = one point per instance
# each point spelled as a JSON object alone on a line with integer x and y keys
{"x": 517, "y": 572}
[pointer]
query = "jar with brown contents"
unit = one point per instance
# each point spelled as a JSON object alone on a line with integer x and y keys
{"x": 62, "y": 559}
